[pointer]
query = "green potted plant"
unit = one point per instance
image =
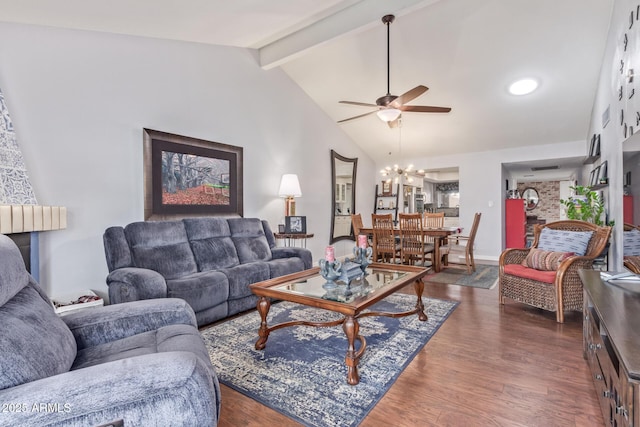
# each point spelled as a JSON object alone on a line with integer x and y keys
{"x": 585, "y": 205}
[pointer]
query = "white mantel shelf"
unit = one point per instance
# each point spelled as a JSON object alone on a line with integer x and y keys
{"x": 28, "y": 218}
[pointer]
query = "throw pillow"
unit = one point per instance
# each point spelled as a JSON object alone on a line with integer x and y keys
{"x": 545, "y": 260}
{"x": 631, "y": 242}
{"x": 564, "y": 240}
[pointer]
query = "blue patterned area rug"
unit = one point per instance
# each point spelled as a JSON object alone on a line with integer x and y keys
{"x": 301, "y": 372}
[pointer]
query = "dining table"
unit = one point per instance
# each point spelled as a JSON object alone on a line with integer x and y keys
{"x": 439, "y": 234}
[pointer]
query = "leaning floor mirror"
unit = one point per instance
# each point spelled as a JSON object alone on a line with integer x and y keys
{"x": 343, "y": 196}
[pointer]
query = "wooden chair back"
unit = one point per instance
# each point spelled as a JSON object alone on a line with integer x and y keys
{"x": 356, "y": 222}
{"x": 384, "y": 241}
{"x": 474, "y": 230}
{"x": 433, "y": 219}
{"x": 412, "y": 242}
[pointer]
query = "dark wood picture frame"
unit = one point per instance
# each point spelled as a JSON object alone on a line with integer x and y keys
{"x": 603, "y": 171}
{"x": 595, "y": 177}
{"x": 206, "y": 178}
{"x": 387, "y": 188}
{"x": 295, "y": 224}
{"x": 592, "y": 149}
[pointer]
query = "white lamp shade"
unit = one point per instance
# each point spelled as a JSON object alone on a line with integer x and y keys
{"x": 389, "y": 114}
{"x": 289, "y": 186}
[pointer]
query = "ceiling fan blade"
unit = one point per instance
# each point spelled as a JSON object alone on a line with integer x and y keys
{"x": 357, "y": 117}
{"x": 361, "y": 104}
{"x": 424, "y": 109}
{"x": 408, "y": 96}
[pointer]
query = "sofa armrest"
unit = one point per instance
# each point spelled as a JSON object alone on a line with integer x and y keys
{"x": 98, "y": 325}
{"x": 302, "y": 253}
{"x": 513, "y": 256}
{"x": 142, "y": 390}
{"x": 133, "y": 284}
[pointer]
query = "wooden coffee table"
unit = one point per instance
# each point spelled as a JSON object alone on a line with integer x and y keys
{"x": 306, "y": 288}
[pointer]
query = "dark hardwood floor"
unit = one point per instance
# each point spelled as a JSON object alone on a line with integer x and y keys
{"x": 488, "y": 365}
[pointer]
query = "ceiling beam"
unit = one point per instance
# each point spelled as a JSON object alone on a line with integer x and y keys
{"x": 356, "y": 17}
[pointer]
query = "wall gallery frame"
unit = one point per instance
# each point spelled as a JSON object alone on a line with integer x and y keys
{"x": 186, "y": 176}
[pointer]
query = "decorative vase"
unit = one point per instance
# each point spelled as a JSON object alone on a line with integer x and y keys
{"x": 362, "y": 257}
{"x": 330, "y": 271}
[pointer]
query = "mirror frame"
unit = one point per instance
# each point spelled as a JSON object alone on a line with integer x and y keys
{"x": 524, "y": 192}
{"x": 335, "y": 156}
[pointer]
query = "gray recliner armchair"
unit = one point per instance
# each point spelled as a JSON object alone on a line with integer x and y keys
{"x": 141, "y": 363}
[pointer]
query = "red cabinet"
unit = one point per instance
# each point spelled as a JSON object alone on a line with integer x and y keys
{"x": 515, "y": 223}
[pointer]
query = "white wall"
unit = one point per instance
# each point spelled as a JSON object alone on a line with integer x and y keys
{"x": 79, "y": 101}
{"x": 611, "y": 136}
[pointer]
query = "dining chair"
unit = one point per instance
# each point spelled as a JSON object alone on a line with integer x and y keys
{"x": 433, "y": 219}
{"x": 384, "y": 241}
{"x": 356, "y": 222}
{"x": 458, "y": 245}
{"x": 412, "y": 240}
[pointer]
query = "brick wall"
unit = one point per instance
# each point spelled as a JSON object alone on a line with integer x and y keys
{"x": 549, "y": 205}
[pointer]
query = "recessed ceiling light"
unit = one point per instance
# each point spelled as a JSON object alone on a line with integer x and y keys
{"x": 523, "y": 87}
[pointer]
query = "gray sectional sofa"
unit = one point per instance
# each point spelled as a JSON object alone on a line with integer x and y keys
{"x": 209, "y": 262}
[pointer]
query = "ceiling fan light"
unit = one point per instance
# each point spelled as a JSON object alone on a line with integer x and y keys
{"x": 389, "y": 114}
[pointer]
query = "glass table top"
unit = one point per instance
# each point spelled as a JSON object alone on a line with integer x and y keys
{"x": 359, "y": 288}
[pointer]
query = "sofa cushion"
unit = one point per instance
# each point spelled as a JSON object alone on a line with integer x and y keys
{"x": 164, "y": 339}
{"x": 116, "y": 248}
{"x": 39, "y": 344}
{"x": 241, "y": 276}
{"x": 564, "y": 240}
{"x": 249, "y": 239}
{"x": 631, "y": 242}
{"x": 211, "y": 243}
{"x": 283, "y": 266}
{"x": 545, "y": 260}
{"x": 201, "y": 290}
{"x": 161, "y": 246}
{"x": 520, "y": 270}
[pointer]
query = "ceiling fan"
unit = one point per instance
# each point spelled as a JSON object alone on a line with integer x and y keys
{"x": 390, "y": 107}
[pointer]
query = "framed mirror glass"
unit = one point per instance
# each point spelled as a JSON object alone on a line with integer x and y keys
{"x": 530, "y": 195}
{"x": 343, "y": 196}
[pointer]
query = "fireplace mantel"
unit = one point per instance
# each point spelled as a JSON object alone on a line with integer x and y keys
{"x": 27, "y": 218}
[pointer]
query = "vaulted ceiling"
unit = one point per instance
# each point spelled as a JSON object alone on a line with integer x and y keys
{"x": 466, "y": 52}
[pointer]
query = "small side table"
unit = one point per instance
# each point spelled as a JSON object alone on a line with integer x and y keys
{"x": 290, "y": 239}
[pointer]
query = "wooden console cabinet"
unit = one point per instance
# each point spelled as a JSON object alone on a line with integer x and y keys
{"x": 611, "y": 325}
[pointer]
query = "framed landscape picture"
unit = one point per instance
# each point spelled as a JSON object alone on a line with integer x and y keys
{"x": 186, "y": 176}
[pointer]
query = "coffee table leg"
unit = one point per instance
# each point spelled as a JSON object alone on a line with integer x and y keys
{"x": 419, "y": 288}
{"x": 264, "y": 304}
{"x": 351, "y": 329}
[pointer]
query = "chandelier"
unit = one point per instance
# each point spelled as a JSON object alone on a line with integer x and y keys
{"x": 398, "y": 173}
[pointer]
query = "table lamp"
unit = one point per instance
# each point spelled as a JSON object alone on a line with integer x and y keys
{"x": 289, "y": 188}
